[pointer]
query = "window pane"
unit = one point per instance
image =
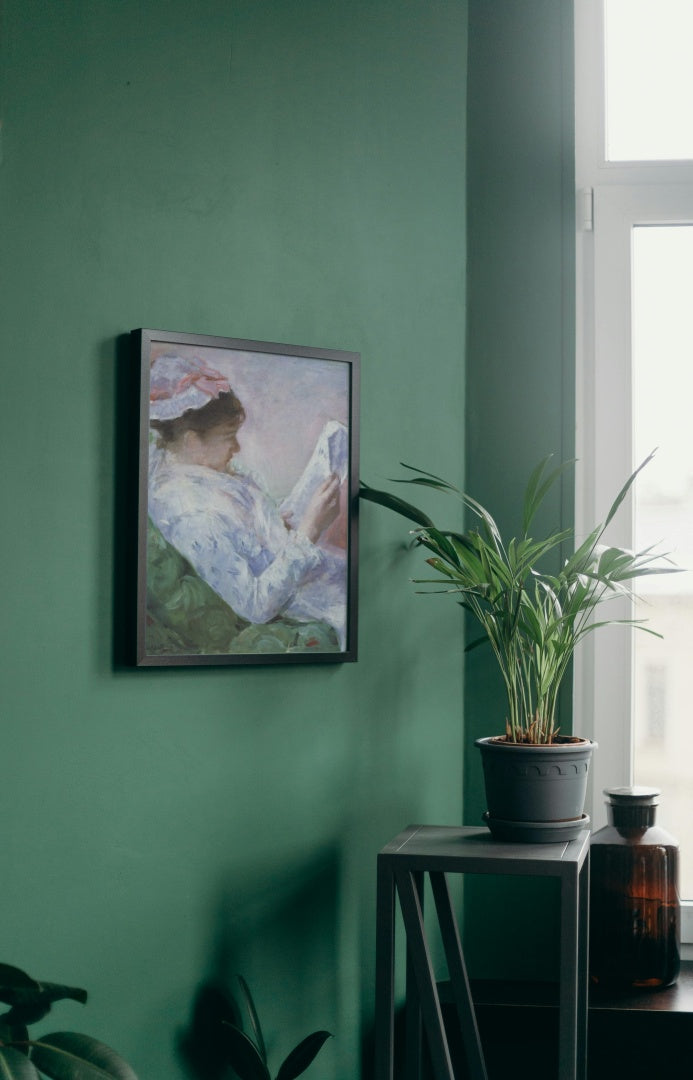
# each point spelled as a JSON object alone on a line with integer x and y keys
{"x": 663, "y": 418}
{"x": 649, "y": 80}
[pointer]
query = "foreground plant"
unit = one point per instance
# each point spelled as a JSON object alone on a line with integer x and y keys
{"x": 216, "y": 1039}
{"x": 533, "y": 619}
{"x": 63, "y": 1055}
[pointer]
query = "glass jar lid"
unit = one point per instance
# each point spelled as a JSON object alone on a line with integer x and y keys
{"x": 632, "y": 796}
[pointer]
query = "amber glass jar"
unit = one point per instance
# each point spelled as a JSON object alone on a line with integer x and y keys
{"x": 635, "y": 919}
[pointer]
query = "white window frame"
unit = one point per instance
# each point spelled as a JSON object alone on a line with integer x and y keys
{"x": 611, "y": 198}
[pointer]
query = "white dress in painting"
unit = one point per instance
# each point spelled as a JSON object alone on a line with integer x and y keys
{"x": 234, "y": 536}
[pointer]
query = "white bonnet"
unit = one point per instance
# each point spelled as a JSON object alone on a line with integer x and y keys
{"x": 177, "y": 384}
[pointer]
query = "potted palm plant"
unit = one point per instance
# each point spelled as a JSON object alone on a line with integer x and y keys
{"x": 533, "y": 618}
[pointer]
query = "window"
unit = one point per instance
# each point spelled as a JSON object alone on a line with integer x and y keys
{"x": 634, "y": 165}
{"x": 648, "y": 80}
{"x": 651, "y": 709}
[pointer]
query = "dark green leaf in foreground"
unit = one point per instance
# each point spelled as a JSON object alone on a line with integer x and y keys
{"x": 243, "y": 1055}
{"x": 14, "y": 1034}
{"x": 13, "y": 978}
{"x": 15, "y": 1066}
{"x": 253, "y": 1017}
{"x": 301, "y": 1056}
{"x": 201, "y": 1044}
{"x": 66, "y": 1055}
{"x": 31, "y": 1000}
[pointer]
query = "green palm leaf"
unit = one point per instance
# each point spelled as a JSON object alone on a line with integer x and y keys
{"x": 625, "y": 489}
{"x": 442, "y": 483}
{"x": 532, "y": 618}
{"x": 537, "y": 489}
{"x": 393, "y": 503}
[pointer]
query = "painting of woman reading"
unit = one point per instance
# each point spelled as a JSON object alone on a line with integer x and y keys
{"x": 249, "y": 482}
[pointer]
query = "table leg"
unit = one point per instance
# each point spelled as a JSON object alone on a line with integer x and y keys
{"x": 568, "y": 985}
{"x": 458, "y": 977}
{"x": 385, "y": 971}
{"x": 583, "y": 968}
{"x": 412, "y": 1068}
{"x": 425, "y": 978}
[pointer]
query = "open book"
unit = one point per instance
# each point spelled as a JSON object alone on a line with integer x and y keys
{"x": 330, "y": 455}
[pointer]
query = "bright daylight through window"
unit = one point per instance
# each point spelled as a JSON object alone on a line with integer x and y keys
{"x": 634, "y": 166}
{"x": 662, "y": 394}
{"x": 649, "y": 79}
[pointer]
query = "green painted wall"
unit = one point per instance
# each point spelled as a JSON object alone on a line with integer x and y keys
{"x": 520, "y": 364}
{"x": 283, "y": 172}
{"x": 280, "y": 171}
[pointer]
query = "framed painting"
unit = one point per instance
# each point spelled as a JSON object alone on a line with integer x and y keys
{"x": 248, "y": 501}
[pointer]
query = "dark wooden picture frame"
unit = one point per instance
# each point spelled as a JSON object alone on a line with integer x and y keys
{"x": 248, "y": 501}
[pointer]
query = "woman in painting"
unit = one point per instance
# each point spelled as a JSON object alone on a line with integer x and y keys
{"x": 221, "y": 520}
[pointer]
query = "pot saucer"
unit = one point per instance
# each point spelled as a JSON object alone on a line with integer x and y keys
{"x": 535, "y": 832}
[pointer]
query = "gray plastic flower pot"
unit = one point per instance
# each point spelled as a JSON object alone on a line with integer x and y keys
{"x": 535, "y": 794}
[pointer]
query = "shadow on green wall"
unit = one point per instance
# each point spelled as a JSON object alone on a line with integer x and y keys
{"x": 279, "y": 929}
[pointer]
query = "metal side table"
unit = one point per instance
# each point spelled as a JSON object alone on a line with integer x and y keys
{"x": 437, "y": 851}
